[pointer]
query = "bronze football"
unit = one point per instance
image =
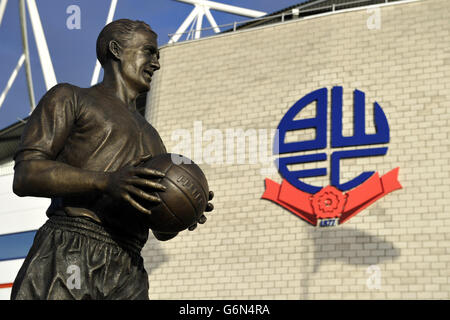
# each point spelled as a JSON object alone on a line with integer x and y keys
{"x": 185, "y": 198}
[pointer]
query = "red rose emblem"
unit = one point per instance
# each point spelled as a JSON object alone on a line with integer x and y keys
{"x": 328, "y": 203}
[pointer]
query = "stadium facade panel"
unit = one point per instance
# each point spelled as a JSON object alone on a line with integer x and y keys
{"x": 218, "y": 101}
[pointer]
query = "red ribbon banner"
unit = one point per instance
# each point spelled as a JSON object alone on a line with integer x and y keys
{"x": 329, "y": 202}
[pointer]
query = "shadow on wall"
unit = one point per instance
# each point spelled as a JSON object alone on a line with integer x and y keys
{"x": 352, "y": 247}
{"x": 153, "y": 254}
{"x": 348, "y": 246}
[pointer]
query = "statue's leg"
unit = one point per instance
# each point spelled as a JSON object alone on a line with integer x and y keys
{"x": 75, "y": 258}
{"x": 131, "y": 277}
{"x": 50, "y": 270}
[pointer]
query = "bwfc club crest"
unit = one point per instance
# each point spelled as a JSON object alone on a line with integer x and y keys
{"x": 338, "y": 202}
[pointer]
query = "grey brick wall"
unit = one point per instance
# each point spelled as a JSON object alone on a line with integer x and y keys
{"x": 253, "y": 249}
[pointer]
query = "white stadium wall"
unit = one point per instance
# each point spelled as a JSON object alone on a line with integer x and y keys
{"x": 250, "y": 248}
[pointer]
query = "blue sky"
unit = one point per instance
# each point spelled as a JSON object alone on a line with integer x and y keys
{"x": 73, "y": 51}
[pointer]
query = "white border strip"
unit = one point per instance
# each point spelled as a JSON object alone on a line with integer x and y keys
{"x": 5, "y": 294}
{"x": 8, "y": 273}
{"x": 9, "y": 269}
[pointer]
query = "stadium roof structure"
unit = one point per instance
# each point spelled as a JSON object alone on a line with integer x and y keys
{"x": 307, "y": 8}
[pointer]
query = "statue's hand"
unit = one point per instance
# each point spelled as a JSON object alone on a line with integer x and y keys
{"x": 127, "y": 181}
{"x": 202, "y": 219}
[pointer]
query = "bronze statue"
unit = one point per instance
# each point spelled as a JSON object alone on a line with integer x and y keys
{"x": 81, "y": 147}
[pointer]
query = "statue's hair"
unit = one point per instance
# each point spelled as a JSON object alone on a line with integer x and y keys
{"x": 119, "y": 30}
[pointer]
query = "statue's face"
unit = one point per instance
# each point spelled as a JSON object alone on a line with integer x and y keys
{"x": 139, "y": 60}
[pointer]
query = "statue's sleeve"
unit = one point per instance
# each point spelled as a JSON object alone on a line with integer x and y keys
{"x": 49, "y": 125}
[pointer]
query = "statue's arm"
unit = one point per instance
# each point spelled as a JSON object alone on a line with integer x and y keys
{"x": 37, "y": 173}
{"x": 48, "y": 178}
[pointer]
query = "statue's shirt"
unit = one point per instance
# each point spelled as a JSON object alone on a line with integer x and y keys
{"x": 87, "y": 129}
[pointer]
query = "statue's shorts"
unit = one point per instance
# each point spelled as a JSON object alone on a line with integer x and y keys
{"x": 76, "y": 258}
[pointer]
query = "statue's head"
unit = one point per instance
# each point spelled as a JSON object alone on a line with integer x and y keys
{"x": 132, "y": 45}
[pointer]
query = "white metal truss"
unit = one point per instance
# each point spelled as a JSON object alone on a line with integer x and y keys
{"x": 3, "y": 4}
{"x": 12, "y": 78}
{"x": 42, "y": 48}
{"x": 41, "y": 44}
{"x": 23, "y": 25}
{"x": 96, "y": 73}
{"x": 195, "y": 18}
{"x": 201, "y": 9}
